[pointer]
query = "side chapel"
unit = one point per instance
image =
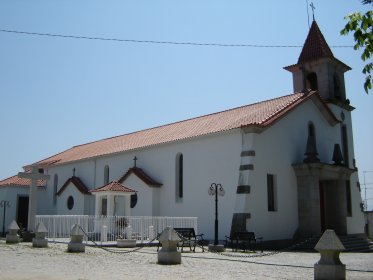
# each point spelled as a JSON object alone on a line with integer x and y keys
{"x": 287, "y": 164}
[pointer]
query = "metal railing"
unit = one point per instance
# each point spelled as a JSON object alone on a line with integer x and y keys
{"x": 110, "y": 228}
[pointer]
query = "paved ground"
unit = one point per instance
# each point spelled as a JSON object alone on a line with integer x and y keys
{"x": 22, "y": 261}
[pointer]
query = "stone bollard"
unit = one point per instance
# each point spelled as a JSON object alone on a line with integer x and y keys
{"x": 168, "y": 253}
{"x": 12, "y": 236}
{"x": 151, "y": 233}
{"x": 76, "y": 244}
{"x": 39, "y": 240}
{"x": 329, "y": 266}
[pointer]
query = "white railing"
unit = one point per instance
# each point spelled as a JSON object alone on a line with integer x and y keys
{"x": 109, "y": 228}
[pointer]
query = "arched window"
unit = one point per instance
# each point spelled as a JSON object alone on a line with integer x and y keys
{"x": 179, "y": 177}
{"x": 312, "y": 81}
{"x": 345, "y": 145}
{"x": 337, "y": 88}
{"x": 133, "y": 200}
{"x": 106, "y": 174}
{"x": 311, "y": 131}
{"x": 55, "y": 186}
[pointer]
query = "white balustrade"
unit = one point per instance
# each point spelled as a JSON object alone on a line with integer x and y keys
{"x": 59, "y": 226}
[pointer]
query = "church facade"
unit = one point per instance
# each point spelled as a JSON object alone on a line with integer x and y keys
{"x": 287, "y": 165}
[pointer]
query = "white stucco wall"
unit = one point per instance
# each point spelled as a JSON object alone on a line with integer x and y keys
{"x": 79, "y": 200}
{"x": 11, "y": 194}
{"x": 214, "y": 158}
{"x": 277, "y": 148}
{"x": 146, "y": 205}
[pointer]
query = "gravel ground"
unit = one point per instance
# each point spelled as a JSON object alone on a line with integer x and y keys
{"x": 22, "y": 261}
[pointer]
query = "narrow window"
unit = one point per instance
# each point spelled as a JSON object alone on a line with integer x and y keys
{"x": 312, "y": 81}
{"x": 345, "y": 145}
{"x": 337, "y": 89}
{"x": 106, "y": 175}
{"x": 133, "y": 200}
{"x": 271, "y": 193}
{"x": 55, "y": 186}
{"x": 179, "y": 177}
{"x": 70, "y": 202}
{"x": 104, "y": 207}
{"x": 348, "y": 199}
{"x": 311, "y": 130}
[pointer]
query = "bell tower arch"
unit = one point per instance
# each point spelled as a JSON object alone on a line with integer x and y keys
{"x": 318, "y": 70}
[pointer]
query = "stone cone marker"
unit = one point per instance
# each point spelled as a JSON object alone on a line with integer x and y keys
{"x": 12, "y": 236}
{"x": 168, "y": 253}
{"x": 39, "y": 240}
{"x": 76, "y": 244}
{"x": 329, "y": 266}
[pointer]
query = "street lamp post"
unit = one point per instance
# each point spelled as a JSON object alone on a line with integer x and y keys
{"x": 217, "y": 190}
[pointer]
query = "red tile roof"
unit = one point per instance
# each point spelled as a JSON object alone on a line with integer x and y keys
{"x": 142, "y": 175}
{"x": 77, "y": 183}
{"x": 315, "y": 46}
{"x": 258, "y": 115}
{"x": 22, "y": 182}
{"x": 114, "y": 187}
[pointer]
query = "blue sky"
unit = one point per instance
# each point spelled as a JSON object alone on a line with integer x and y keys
{"x": 57, "y": 93}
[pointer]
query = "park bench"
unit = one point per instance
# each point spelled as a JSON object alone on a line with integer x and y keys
{"x": 188, "y": 239}
{"x": 245, "y": 240}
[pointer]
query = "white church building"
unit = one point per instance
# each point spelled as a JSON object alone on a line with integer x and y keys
{"x": 287, "y": 165}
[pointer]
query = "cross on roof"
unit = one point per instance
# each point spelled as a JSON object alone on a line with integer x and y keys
{"x": 313, "y": 10}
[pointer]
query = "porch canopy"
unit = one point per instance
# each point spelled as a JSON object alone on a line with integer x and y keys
{"x": 322, "y": 197}
{"x": 105, "y": 198}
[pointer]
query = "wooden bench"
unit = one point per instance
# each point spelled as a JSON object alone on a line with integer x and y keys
{"x": 245, "y": 240}
{"x": 189, "y": 238}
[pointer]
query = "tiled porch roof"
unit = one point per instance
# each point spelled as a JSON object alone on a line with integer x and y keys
{"x": 21, "y": 182}
{"x": 113, "y": 186}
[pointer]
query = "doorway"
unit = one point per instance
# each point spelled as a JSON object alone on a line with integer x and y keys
{"x": 22, "y": 210}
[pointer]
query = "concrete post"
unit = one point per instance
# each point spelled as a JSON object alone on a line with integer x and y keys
{"x": 76, "y": 244}
{"x": 329, "y": 266}
{"x": 39, "y": 240}
{"x": 12, "y": 236}
{"x": 168, "y": 253}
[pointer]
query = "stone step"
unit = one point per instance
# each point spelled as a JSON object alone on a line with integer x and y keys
{"x": 352, "y": 243}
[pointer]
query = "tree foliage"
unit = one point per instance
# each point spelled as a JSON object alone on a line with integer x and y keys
{"x": 362, "y": 27}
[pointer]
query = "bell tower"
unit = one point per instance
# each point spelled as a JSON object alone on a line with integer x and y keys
{"x": 317, "y": 69}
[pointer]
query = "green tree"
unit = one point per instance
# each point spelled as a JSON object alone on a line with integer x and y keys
{"x": 362, "y": 27}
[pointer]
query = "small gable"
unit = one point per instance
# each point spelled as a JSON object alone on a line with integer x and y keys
{"x": 77, "y": 183}
{"x": 142, "y": 175}
{"x": 114, "y": 186}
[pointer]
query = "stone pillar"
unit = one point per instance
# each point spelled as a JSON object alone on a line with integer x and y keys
{"x": 76, "y": 244}
{"x": 309, "y": 205}
{"x": 168, "y": 253}
{"x": 97, "y": 205}
{"x": 127, "y": 205}
{"x": 39, "y": 240}
{"x": 12, "y": 236}
{"x": 34, "y": 175}
{"x": 110, "y": 205}
{"x": 329, "y": 266}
